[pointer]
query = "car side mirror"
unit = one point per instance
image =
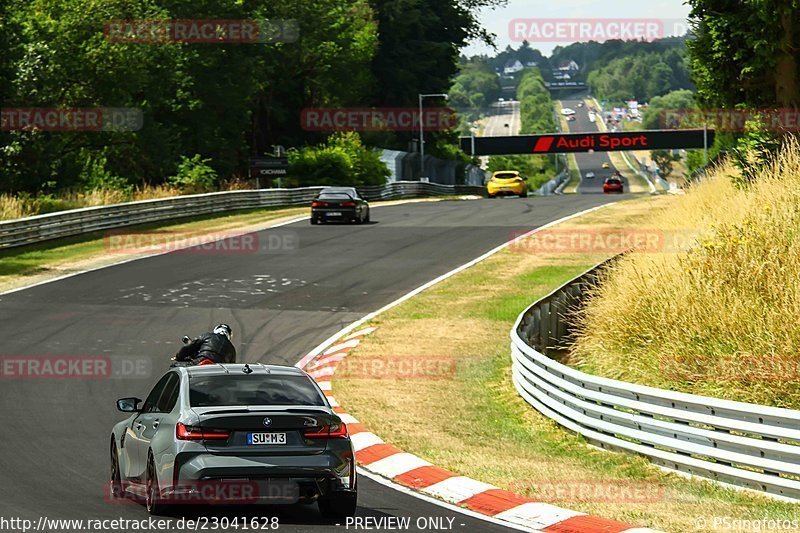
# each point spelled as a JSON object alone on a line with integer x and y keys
{"x": 129, "y": 405}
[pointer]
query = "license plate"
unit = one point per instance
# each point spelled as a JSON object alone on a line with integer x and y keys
{"x": 334, "y": 214}
{"x": 266, "y": 438}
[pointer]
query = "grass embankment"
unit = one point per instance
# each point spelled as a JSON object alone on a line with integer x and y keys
{"x": 469, "y": 418}
{"x": 574, "y": 175}
{"x": 19, "y": 206}
{"x": 720, "y": 316}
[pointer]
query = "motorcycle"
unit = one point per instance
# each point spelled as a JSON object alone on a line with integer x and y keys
{"x": 174, "y": 363}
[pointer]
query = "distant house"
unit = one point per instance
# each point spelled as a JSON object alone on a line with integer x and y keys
{"x": 568, "y": 66}
{"x": 512, "y": 67}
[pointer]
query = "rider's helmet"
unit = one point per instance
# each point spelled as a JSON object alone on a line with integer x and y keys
{"x": 223, "y": 329}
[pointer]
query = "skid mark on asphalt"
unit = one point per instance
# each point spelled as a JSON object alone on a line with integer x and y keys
{"x": 221, "y": 291}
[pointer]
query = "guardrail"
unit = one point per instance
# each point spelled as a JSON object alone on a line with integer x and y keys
{"x": 553, "y": 186}
{"x": 738, "y": 443}
{"x": 41, "y": 228}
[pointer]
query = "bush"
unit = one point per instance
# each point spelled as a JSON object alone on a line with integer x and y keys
{"x": 96, "y": 177}
{"x": 194, "y": 175}
{"x": 341, "y": 160}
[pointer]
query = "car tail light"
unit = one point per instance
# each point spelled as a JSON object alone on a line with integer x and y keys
{"x": 348, "y": 204}
{"x": 319, "y": 204}
{"x": 333, "y": 431}
{"x": 184, "y": 432}
{"x": 205, "y": 362}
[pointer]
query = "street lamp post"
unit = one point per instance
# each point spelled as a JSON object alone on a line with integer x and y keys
{"x": 422, "y": 132}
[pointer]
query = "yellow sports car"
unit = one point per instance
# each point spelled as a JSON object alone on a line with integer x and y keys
{"x": 606, "y": 165}
{"x": 507, "y": 183}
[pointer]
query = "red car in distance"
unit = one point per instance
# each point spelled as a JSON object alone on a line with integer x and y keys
{"x": 613, "y": 184}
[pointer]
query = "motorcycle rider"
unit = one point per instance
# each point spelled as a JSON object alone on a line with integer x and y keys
{"x": 214, "y": 346}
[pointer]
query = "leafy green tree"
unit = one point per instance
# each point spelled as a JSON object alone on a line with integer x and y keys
{"x": 475, "y": 87}
{"x": 341, "y": 160}
{"x": 641, "y": 76}
{"x": 660, "y": 108}
{"x": 746, "y": 52}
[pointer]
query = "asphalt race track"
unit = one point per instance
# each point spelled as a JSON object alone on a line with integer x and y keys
{"x": 305, "y": 284}
{"x": 589, "y": 162}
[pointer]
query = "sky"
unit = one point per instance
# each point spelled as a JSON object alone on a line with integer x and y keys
{"x": 672, "y": 12}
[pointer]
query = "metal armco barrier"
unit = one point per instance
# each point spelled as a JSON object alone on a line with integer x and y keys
{"x": 79, "y": 221}
{"x": 743, "y": 444}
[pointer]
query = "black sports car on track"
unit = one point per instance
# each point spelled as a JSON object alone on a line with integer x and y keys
{"x": 340, "y": 204}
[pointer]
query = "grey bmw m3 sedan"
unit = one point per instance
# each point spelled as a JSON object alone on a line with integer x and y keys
{"x": 234, "y": 434}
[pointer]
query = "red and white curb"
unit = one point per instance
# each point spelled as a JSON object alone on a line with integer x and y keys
{"x": 373, "y": 454}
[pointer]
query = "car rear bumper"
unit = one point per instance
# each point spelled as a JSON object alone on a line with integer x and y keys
{"x": 505, "y": 191}
{"x": 346, "y": 213}
{"x": 266, "y": 479}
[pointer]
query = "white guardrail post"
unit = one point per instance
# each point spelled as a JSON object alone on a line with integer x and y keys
{"x": 41, "y": 228}
{"x": 746, "y": 445}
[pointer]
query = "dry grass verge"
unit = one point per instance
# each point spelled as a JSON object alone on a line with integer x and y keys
{"x": 716, "y": 316}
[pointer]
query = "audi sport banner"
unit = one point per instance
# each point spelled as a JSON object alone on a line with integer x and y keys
{"x": 562, "y": 143}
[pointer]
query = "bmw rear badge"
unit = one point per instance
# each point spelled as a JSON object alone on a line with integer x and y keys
{"x": 268, "y": 421}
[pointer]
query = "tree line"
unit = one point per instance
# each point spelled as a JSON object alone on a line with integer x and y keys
{"x": 213, "y": 103}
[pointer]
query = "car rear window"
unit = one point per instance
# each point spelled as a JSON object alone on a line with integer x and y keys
{"x": 612, "y": 181}
{"x": 505, "y": 176}
{"x": 225, "y": 390}
{"x": 334, "y": 196}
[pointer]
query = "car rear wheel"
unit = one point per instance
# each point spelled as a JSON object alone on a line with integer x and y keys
{"x": 367, "y": 218}
{"x": 116, "y": 478}
{"x": 314, "y": 221}
{"x": 524, "y": 194}
{"x": 338, "y": 505}
{"x": 153, "y": 500}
